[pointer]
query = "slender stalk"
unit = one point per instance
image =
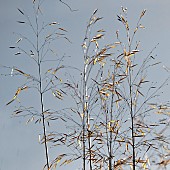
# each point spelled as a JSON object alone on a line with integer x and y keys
{"x": 88, "y": 118}
{"x": 83, "y": 121}
{"x": 132, "y": 120}
{"x": 84, "y": 148}
{"x": 86, "y": 114}
{"x": 41, "y": 93}
{"x": 43, "y": 117}
{"x": 89, "y": 139}
{"x": 111, "y": 133}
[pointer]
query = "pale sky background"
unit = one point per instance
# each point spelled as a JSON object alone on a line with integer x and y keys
{"x": 19, "y": 147}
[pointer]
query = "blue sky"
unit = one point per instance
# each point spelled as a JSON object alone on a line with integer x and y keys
{"x": 19, "y": 142}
